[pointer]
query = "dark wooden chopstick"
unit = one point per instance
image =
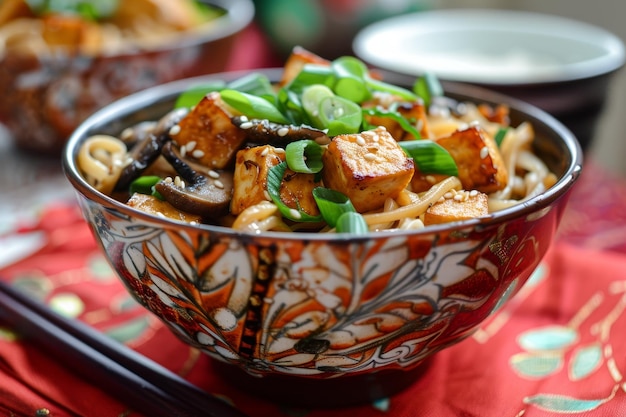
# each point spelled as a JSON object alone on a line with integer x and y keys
{"x": 128, "y": 376}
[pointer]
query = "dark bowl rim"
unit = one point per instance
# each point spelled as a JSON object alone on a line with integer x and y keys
{"x": 168, "y": 91}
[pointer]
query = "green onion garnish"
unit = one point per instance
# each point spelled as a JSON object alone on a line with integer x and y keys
{"x": 252, "y": 106}
{"x": 274, "y": 179}
{"x": 351, "y": 222}
{"x": 193, "y": 95}
{"x": 428, "y": 87}
{"x": 430, "y": 157}
{"x": 145, "y": 185}
{"x": 340, "y": 116}
{"x": 304, "y": 156}
{"x": 254, "y": 83}
{"x": 312, "y": 96}
{"x": 332, "y": 204}
{"x": 500, "y": 135}
{"x": 402, "y": 121}
{"x": 350, "y": 81}
{"x": 90, "y": 10}
{"x": 377, "y": 85}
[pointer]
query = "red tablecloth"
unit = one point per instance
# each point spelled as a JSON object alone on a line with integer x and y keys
{"x": 556, "y": 348}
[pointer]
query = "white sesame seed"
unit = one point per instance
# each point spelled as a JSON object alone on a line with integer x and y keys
{"x": 159, "y": 214}
{"x": 448, "y": 195}
{"x": 183, "y": 151}
{"x": 458, "y": 197}
{"x": 360, "y": 141}
{"x": 473, "y": 193}
{"x": 283, "y": 131}
{"x": 430, "y": 179}
{"x": 197, "y": 153}
{"x": 369, "y": 156}
{"x": 174, "y": 130}
{"x": 218, "y": 184}
{"x": 484, "y": 152}
{"x": 295, "y": 213}
{"x": 243, "y": 118}
{"x": 474, "y": 123}
{"x": 265, "y": 151}
{"x": 191, "y": 145}
{"x": 214, "y": 174}
{"x": 246, "y": 125}
{"x": 168, "y": 180}
{"x": 279, "y": 150}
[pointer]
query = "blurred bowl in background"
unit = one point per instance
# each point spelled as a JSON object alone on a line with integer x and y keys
{"x": 560, "y": 65}
{"x": 48, "y": 93}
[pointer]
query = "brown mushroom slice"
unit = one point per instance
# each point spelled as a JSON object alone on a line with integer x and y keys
{"x": 149, "y": 149}
{"x": 265, "y": 132}
{"x": 207, "y": 197}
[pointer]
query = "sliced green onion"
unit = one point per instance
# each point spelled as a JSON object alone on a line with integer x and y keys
{"x": 402, "y": 121}
{"x": 145, "y": 185}
{"x": 332, "y": 204}
{"x": 500, "y": 135}
{"x": 255, "y": 83}
{"x": 252, "y": 106}
{"x": 312, "y": 96}
{"x": 193, "y": 95}
{"x": 351, "y": 222}
{"x": 274, "y": 180}
{"x": 428, "y": 87}
{"x": 312, "y": 74}
{"x": 340, "y": 116}
{"x": 382, "y": 86}
{"x": 289, "y": 104}
{"x": 304, "y": 156}
{"x": 350, "y": 81}
{"x": 90, "y": 10}
{"x": 430, "y": 157}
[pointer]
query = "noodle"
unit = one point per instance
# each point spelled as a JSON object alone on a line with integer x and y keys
{"x": 101, "y": 159}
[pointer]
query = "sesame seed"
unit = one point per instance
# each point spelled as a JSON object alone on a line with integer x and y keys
{"x": 126, "y": 134}
{"x": 279, "y": 150}
{"x": 283, "y": 131}
{"x": 246, "y": 125}
{"x": 218, "y": 184}
{"x": 448, "y": 195}
{"x": 265, "y": 151}
{"x": 360, "y": 141}
{"x": 243, "y": 118}
{"x": 474, "y": 123}
{"x": 369, "y": 156}
{"x": 159, "y": 214}
{"x": 295, "y": 213}
{"x": 458, "y": 197}
{"x": 191, "y": 145}
{"x": 430, "y": 179}
{"x": 168, "y": 180}
{"x": 484, "y": 152}
{"x": 174, "y": 130}
{"x": 197, "y": 153}
{"x": 473, "y": 193}
{"x": 179, "y": 182}
{"x": 183, "y": 151}
{"x": 214, "y": 174}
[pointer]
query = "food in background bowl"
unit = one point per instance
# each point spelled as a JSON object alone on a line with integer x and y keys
{"x": 282, "y": 310}
{"x": 61, "y": 61}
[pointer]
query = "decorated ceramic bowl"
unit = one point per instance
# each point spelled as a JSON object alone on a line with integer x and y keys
{"x": 304, "y": 311}
{"x": 46, "y": 96}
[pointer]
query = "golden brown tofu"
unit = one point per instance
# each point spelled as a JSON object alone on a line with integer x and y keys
{"x": 250, "y": 177}
{"x": 208, "y": 134}
{"x": 298, "y": 58}
{"x": 153, "y": 205}
{"x": 415, "y": 113}
{"x": 478, "y": 158}
{"x": 368, "y": 167}
{"x": 461, "y": 205}
{"x": 296, "y": 191}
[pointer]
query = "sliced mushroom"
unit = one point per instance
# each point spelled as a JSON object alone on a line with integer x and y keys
{"x": 149, "y": 149}
{"x": 265, "y": 132}
{"x": 208, "y": 196}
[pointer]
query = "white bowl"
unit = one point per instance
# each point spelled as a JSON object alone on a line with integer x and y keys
{"x": 492, "y": 47}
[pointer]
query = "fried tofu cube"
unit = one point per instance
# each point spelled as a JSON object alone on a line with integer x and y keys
{"x": 250, "y": 181}
{"x": 153, "y": 205}
{"x": 413, "y": 112}
{"x": 298, "y": 58}
{"x": 252, "y": 166}
{"x": 478, "y": 159}
{"x": 461, "y": 205}
{"x": 368, "y": 167}
{"x": 208, "y": 134}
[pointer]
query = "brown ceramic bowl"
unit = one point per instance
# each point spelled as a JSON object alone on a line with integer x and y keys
{"x": 46, "y": 98}
{"x": 298, "y": 317}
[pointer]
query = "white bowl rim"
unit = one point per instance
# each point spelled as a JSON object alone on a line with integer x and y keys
{"x": 375, "y": 43}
